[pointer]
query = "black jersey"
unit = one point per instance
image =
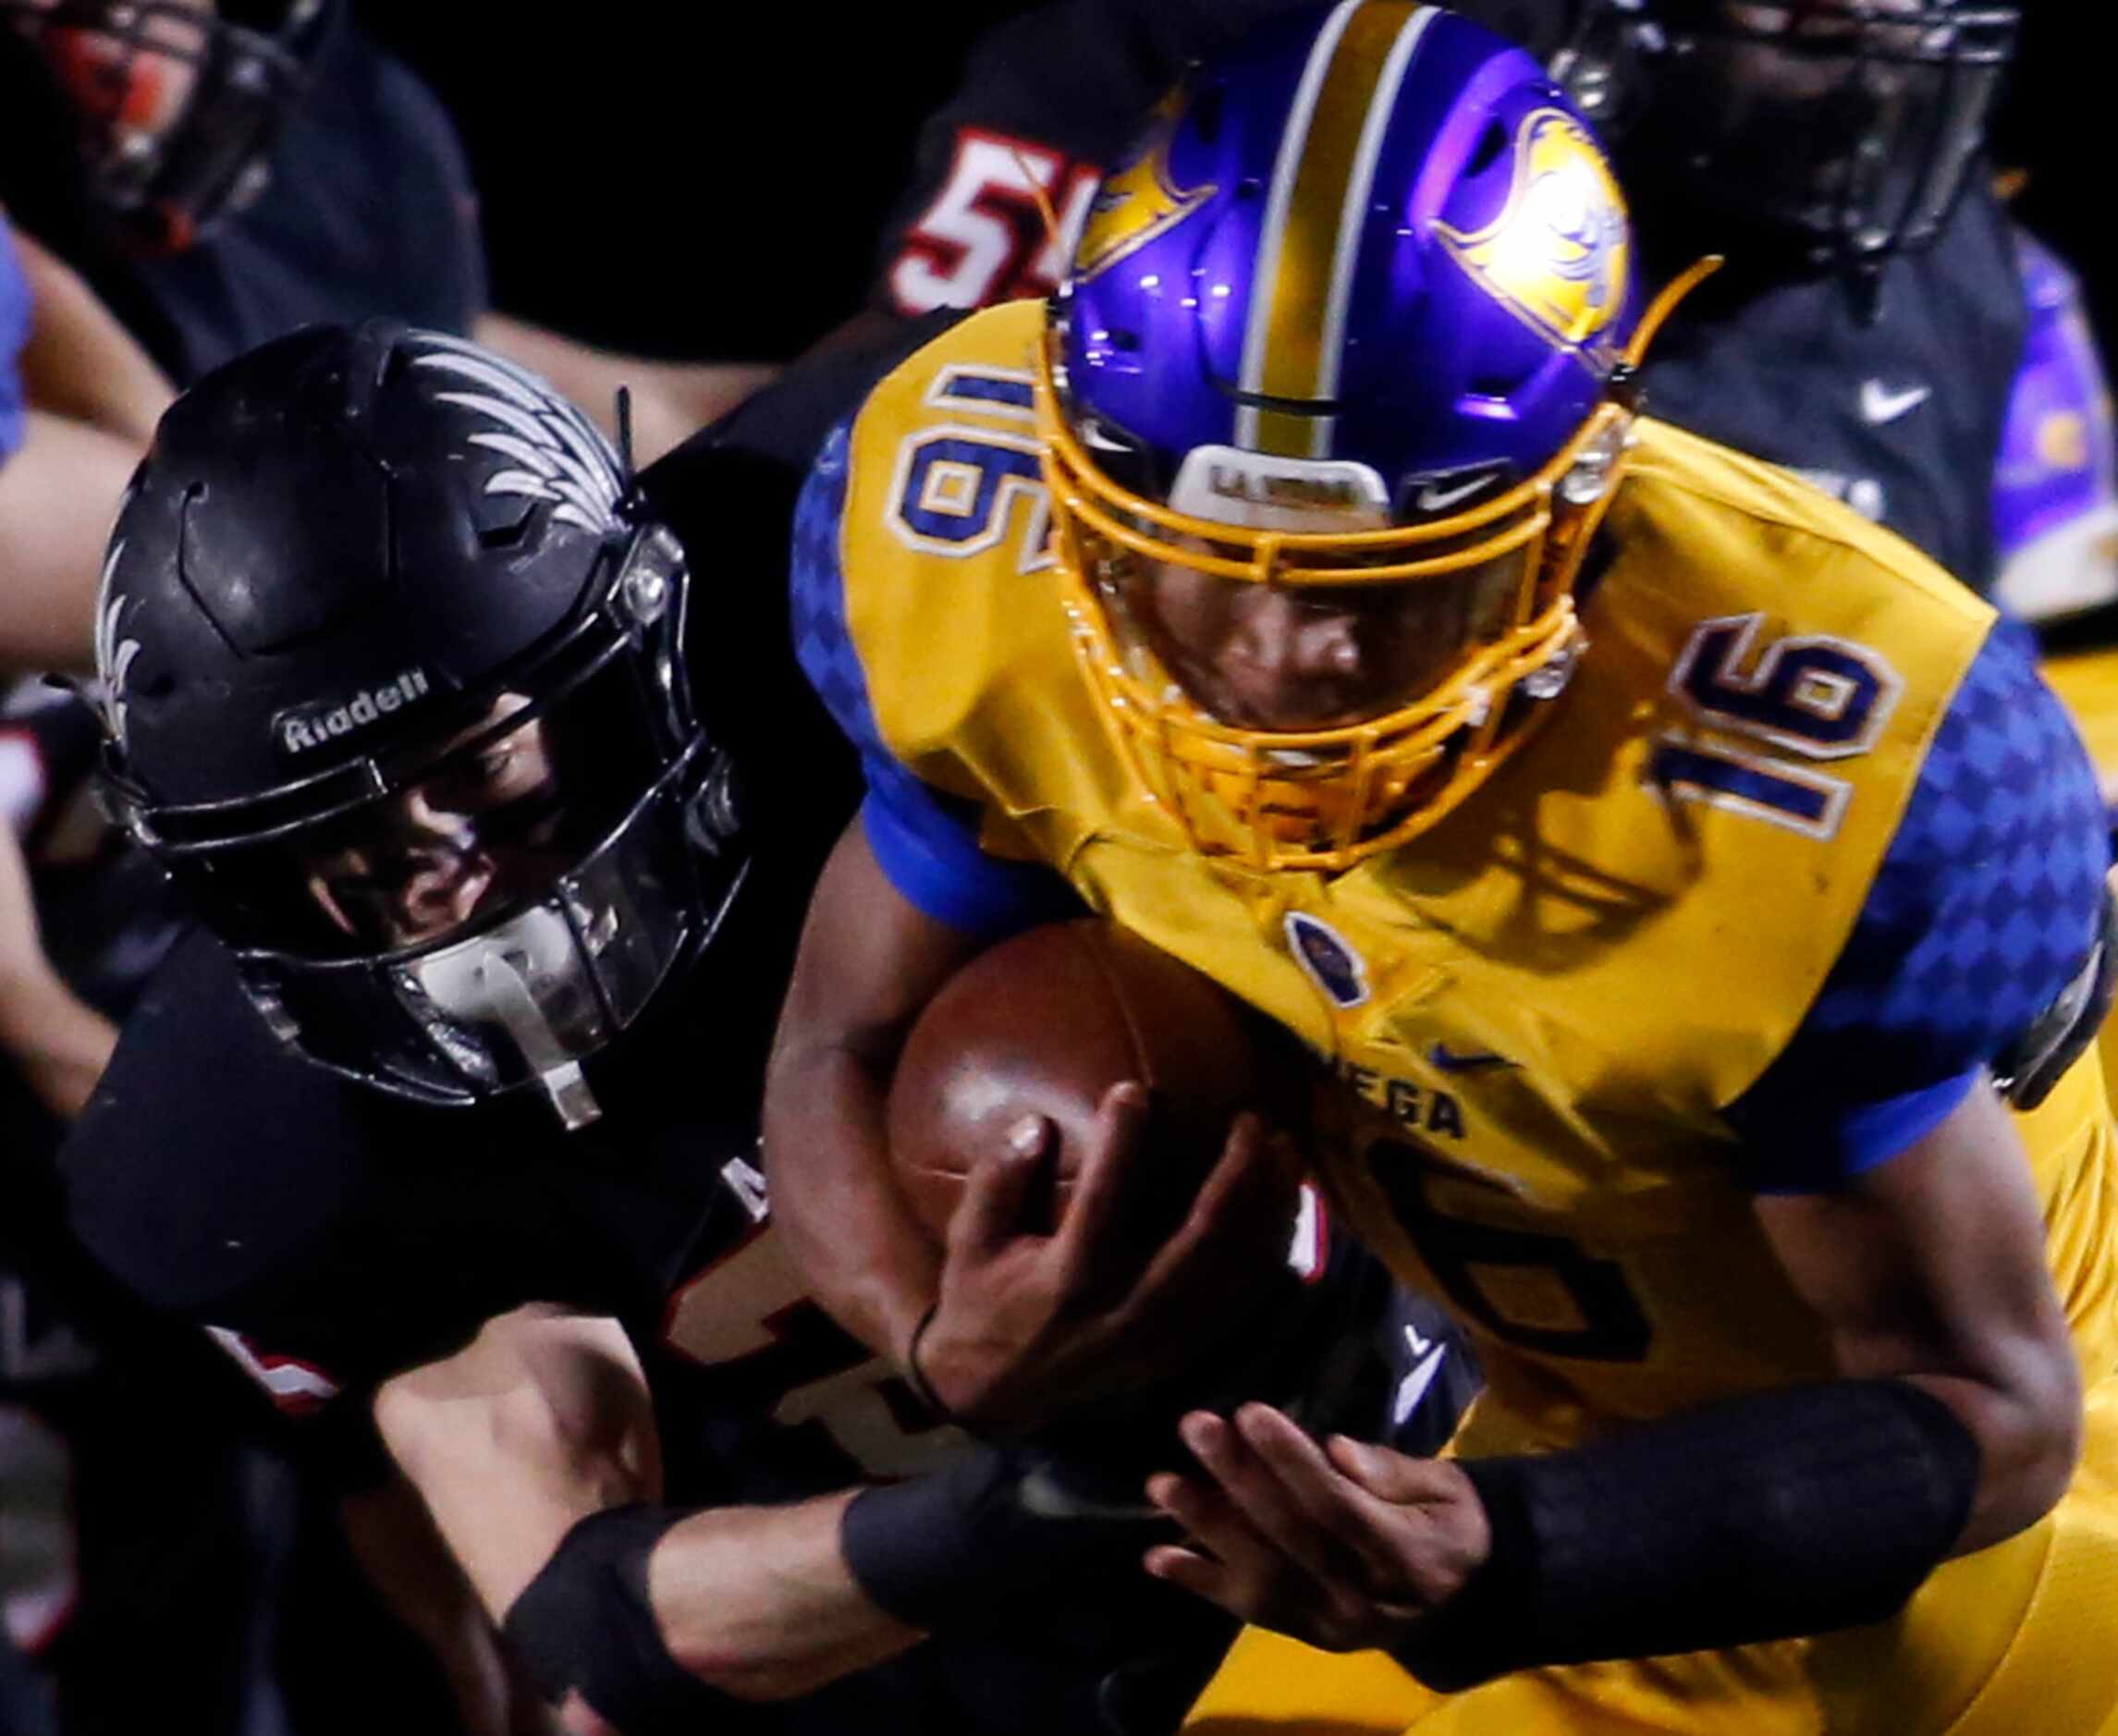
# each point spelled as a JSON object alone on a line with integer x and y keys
{"x": 331, "y": 1236}
{"x": 342, "y": 1232}
{"x": 328, "y": 1237}
{"x": 1894, "y": 399}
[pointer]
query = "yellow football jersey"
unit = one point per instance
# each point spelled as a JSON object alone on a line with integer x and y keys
{"x": 1550, "y": 1019}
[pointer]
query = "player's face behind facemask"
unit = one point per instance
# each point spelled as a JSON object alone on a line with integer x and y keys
{"x": 1308, "y": 683}
{"x": 1319, "y": 657}
{"x": 174, "y": 104}
{"x": 505, "y": 910}
{"x": 1848, "y": 128}
{"x": 514, "y": 799}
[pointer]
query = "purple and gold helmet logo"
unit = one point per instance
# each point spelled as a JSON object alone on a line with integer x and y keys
{"x": 1137, "y": 203}
{"x": 1559, "y": 256}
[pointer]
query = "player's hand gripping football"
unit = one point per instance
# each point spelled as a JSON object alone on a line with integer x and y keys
{"x": 1344, "y": 1545}
{"x": 1030, "y": 1329}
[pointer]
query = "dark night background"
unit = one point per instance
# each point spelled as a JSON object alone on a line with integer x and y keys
{"x": 709, "y": 178}
{"x": 695, "y": 179}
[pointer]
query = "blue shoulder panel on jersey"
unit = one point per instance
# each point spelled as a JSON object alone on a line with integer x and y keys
{"x": 14, "y": 334}
{"x": 926, "y": 841}
{"x": 1984, "y": 910}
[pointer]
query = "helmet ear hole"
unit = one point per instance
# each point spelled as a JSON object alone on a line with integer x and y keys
{"x": 1496, "y": 387}
{"x": 1491, "y": 143}
{"x": 506, "y": 536}
{"x": 1205, "y": 113}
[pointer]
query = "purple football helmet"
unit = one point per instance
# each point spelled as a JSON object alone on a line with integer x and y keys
{"x": 2055, "y": 490}
{"x": 1355, "y": 320}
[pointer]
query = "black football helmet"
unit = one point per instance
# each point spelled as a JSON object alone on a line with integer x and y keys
{"x": 227, "y": 76}
{"x": 393, "y": 680}
{"x": 1849, "y": 128}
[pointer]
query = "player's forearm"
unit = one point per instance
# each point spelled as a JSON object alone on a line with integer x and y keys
{"x": 1930, "y": 1270}
{"x": 868, "y": 965}
{"x": 60, "y": 1043}
{"x": 58, "y": 494}
{"x": 654, "y": 1617}
{"x": 758, "y": 1603}
{"x": 827, "y": 1160}
{"x": 771, "y": 1603}
{"x": 393, "y": 1540}
{"x": 1792, "y": 1512}
{"x": 671, "y": 400}
{"x": 79, "y": 362}
{"x": 2029, "y": 1440}
{"x": 1789, "y": 1512}
{"x": 541, "y": 1421}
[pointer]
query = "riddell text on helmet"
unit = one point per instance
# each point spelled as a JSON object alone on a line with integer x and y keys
{"x": 306, "y": 726}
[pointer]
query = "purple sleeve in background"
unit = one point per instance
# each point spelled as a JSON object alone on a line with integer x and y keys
{"x": 2055, "y": 488}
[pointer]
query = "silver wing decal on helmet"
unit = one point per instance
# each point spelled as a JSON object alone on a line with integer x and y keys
{"x": 113, "y": 655}
{"x": 555, "y": 452}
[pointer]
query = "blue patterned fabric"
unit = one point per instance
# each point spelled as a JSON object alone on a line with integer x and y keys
{"x": 13, "y": 333}
{"x": 1984, "y": 910}
{"x": 926, "y": 841}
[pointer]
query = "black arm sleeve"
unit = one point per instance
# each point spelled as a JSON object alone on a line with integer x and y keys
{"x": 586, "y": 1625}
{"x": 969, "y": 1548}
{"x": 1792, "y": 1512}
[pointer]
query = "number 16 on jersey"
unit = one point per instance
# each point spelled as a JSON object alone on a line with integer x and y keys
{"x": 1801, "y": 699}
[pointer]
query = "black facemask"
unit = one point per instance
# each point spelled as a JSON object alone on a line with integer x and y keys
{"x": 1843, "y": 130}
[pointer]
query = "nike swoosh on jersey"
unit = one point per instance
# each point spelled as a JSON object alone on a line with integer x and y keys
{"x": 1880, "y": 405}
{"x": 1448, "y": 1061}
{"x": 1413, "y": 1387}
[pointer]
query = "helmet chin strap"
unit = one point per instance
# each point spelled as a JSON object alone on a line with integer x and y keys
{"x": 486, "y": 984}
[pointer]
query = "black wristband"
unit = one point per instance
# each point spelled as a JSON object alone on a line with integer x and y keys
{"x": 967, "y": 1549}
{"x": 1792, "y": 1512}
{"x": 584, "y": 1625}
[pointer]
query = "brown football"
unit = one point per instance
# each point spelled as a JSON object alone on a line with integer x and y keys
{"x": 1045, "y": 1023}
